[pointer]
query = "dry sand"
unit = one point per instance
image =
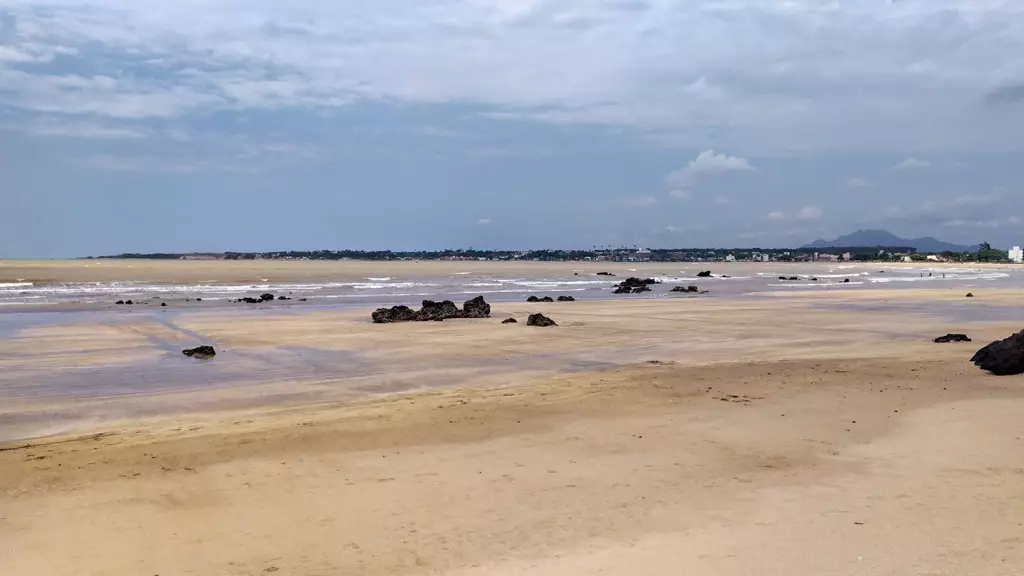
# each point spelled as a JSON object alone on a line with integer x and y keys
{"x": 772, "y": 436}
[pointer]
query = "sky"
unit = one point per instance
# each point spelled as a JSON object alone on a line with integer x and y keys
{"x": 211, "y": 125}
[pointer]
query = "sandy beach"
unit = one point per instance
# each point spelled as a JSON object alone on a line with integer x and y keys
{"x": 805, "y": 433}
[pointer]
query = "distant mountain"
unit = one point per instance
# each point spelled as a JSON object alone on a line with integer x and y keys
{"x": 865, "y": 238}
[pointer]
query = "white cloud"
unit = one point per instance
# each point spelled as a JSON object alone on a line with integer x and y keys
{"x": 854, "y": 183}
{"x": 483, "y": 222}
{"x": 707, "y": 162}
{"x": 809, "y": 213}
{"x": 776, "y": 215}
{"x": 574, "y": 61}
{"x": 912, "y": 164}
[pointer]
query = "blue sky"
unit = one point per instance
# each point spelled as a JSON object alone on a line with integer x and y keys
{"x": 259, "y": 124}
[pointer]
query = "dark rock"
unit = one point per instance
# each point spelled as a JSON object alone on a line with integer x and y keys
{"x": 283, "y": 298}
{"x": 566, "y": 299}
{"x": 249, "y": 300}
{"x": 846, "y": 281}
{"x": 969, "y": 295}
{"x": 201, "y": 352}
{"x": 433, "y": 311}
{"x": 163, "y": 303}
{"x": 575, "y": 273}
{"x": 533, "y": 299}
{"x": 704, "y": 274}
{"x": 128, "y": 302}
{"x": 302, "y": 299}
{"x": 546, "y": 299}
{"x": 119, "y": 302}
{"x": 690, "y": 288}
{"x": 443, "y": 310}
{"x": 266, "y": 297}
{"x": 510, "y": 321}
{"x": 951, "y": 338}
{"x": 782, "y": 278}
{"x": 1003, "y": 357}
{"x": 605, "y": 274}
{"x": 476, "y": 308}
{"x": 814, "y": 279}
{"x": 199, "y": 299}
{"x": 634, "y": 285}
{"x": 794, "y": 277}
{"x": 540, "y": 320}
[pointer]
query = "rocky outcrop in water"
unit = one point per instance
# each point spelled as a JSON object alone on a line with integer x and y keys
{"x": 200, "y": 352}
{"x": 540, "y": 320}
{"x": 266, "y": 297}
{"x": 605, "y": 274}
{"x": 951, "y": 338}
{"x": 534, "y": 299}
{"x": 566, "y": 299}
{"x": 1003, "y": 357}
{"x": 690, "y": 288}
{"x": 704, "y": 274}
{"x": 634, "y": 285}
{"x": 433, "y": 311}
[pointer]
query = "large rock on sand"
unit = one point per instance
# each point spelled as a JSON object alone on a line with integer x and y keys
{"x": 200, "y": 352}
{"x": 540, "y": 320}
{"x": 1003, "y": 357}
{"x": 433, "y": 311}
{"x": 476, "y": 308}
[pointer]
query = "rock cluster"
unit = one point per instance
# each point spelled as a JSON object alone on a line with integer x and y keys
{"x": 690, "y": 288}
{"x": 634, "y": 285}
{"x": 534, "y": 299}
{"x": 433, "y": 311}
{"x": 1003, "y": 357}
{"x": 566, "y": 299}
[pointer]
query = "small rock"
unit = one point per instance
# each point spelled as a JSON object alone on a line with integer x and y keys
{"x": 704, "y": 274}
{"x": 201, "y": 352}
{"x": 510, "y": 321}
{"x": 266, "y": 297}
{"x": 969, "y": 295}
{"x": 119, "y": 302}
{"x": 605, "y": 274}
{"x": 951, "y": 338}
{"x": 566, "y": 299}
{"x": 128, "y": 302}
{"x": 163, "y": 303}
{"x": 540, "y": 320}
{"x": 283, "y": 298}
{"x": 846, "y": 281}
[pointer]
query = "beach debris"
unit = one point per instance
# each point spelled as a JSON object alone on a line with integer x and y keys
{"x": 690, "y": 288}
{"x": 540, "y": 320}
{"x": 969, "y": 295}
{"x": 566, "y": 299}
{"x": 634, "y": 285}
{"x": 704, "y": 274}
{"x": 510, "y": 321}
{"x": 1003, "y": 357}
{"x": 435, "y": 311}
{"x": 605, "y": 274}
{"x": 534, "y": 299}
{"x": 201, "y": 352}
{"x": 952, "y": 338}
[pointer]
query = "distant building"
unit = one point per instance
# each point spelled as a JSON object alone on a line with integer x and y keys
{"x": 1016, "y": 255}
{"x": 764, "y": 257}
{"x": 730, "y": 258}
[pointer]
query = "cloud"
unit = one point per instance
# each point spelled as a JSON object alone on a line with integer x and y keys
{"x": 776, "y": 215}
{"x": 483, "y": 222}
{"x": 855, "y": 183}
{"x": 680, "y": 194}
{"x": 809, "y": 213}
{"x": 912, "y": 164}
{"x": 978, "y": 209}
{"x": 707, "y": 162}
{"x": 572, "y": 62}
{"x": 645, "y": 201}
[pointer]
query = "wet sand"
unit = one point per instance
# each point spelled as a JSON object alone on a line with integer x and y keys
{"x": 782, "y": 435}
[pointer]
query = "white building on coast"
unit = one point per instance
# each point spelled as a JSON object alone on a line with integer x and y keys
{"x": 1016, "y": 255}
